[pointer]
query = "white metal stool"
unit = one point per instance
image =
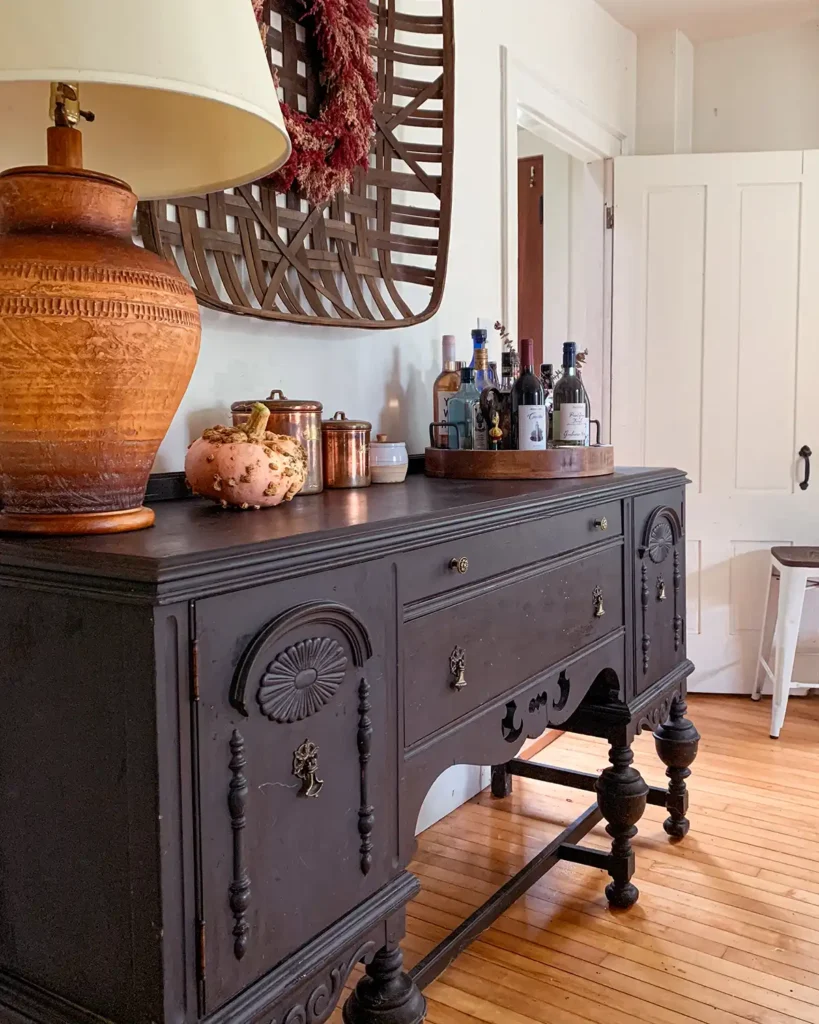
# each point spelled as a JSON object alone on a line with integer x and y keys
{"x": 794, "y": 570}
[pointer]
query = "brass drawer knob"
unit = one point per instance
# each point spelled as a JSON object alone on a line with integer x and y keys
{"x": 460, "y": 565}
{"x": 457, "y": 666}
{"x": 597, "y": 596}
{"x": 601, "y": 524}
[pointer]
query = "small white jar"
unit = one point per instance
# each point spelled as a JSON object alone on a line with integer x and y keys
{"x": 389, "y": 460}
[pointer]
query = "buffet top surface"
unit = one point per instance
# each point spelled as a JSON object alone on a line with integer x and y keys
{"x": 193, "y": 533}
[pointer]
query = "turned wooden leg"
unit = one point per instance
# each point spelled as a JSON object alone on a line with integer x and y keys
{"x": 501, "y": 781}
{"x": 676, "y": 741}
{"x": 621, "y": 797}
{"x": 386, "y": 994}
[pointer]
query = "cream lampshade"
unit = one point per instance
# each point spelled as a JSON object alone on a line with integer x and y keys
{"x": 98, "y": 336}
{"x": 181, "y": 89}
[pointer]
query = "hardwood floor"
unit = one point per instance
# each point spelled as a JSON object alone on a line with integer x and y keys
{"x": 727, "y": 927}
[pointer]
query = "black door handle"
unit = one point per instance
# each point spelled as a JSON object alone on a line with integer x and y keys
{"x": 805, "y": 453}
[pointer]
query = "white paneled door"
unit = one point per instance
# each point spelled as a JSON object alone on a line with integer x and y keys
{"x": 715, "y": 369}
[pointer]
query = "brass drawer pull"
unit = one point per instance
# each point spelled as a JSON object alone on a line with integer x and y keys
{"x": 460, "y": 565}
{"x": 457, "y": 666}
{"x": 305, "y": 767}
{"x": 601, "y": 524}
{"x": 597, "y": 596}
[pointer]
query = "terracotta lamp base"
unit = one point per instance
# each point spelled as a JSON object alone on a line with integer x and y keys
{"x": 98, "y": 340}
{"x": 80, "y": 524}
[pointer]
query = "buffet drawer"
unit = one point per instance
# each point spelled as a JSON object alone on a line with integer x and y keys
{"x": 434, "y": 570}
{"x": 507, "y": 635}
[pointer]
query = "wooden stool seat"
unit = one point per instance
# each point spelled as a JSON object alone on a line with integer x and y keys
{"x": 793, "y": 571}
{"x": 797, "y": 558}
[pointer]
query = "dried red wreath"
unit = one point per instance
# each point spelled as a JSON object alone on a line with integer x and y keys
{"x": 327, "y": 149}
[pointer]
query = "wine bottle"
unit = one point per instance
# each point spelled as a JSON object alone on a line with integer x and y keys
{"x": 571, "y": 422}
{"x": 528, "y": 407}
{"x": 446, "y": 384}
{"x": 461, "y": 409}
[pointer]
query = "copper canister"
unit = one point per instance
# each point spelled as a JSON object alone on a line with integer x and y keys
{"x": 297, "y": 418}
{"x": 346, "y": 445}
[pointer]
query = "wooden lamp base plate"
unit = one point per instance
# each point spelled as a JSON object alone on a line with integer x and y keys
{"x": 552, "y": 464}
{"x": 77, "y": 523}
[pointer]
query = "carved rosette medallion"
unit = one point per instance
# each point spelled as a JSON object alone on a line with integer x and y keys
{"x": 660, "y": 541}
{"x": 302, "y": 679}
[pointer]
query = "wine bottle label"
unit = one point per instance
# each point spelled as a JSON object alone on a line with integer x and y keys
{"x": 445, "y": 438}
{"x": 480, "y": 429}
{"x": 531, "y": 428}
{"x": 573, "y": 424}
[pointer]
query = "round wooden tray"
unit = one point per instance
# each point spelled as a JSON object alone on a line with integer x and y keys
{"x": 553, "y": 464}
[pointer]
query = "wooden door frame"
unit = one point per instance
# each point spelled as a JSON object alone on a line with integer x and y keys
{"x": 529, "y": 102}
{"x": 531, "y": 277}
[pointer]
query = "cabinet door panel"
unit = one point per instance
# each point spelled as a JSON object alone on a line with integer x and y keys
{"x": 659, "y": 582}
{"x": 296, "y": 770}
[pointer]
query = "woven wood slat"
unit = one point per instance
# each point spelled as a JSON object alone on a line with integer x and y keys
{"x": 375, "y": 257}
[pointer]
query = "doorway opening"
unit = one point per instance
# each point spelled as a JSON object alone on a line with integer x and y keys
{"x": 552, "y": 287}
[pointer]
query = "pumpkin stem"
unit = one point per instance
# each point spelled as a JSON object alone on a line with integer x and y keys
{"x": 257, "y": 424}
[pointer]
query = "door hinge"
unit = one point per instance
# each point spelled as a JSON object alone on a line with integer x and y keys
{"x": 201, "y": 957}
{"x": 610, "y": 218}
{"x": 540, "y": 209}
{"x": 194, "y": 659}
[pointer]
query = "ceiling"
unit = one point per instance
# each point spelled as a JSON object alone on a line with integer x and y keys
{"x": 711, "y": 19}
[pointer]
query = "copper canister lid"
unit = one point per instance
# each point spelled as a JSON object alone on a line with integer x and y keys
{"x": 281, "y": 401}
{"x": 340, "y": 422}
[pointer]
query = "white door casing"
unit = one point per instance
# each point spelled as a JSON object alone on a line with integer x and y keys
{"x": 715, "y": 366}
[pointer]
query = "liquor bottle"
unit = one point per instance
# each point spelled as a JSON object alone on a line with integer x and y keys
{"x": 528, "y": 407}
{"x": 493, "y": 373}
{"x": 507, "y": 370}
{"x": 461, "y": 409}
{"x": 478, "y": 343}
{"x": 446, "y": 384}
{"x": 498, "y": 399}
{"x": 483, "y": 375}
{"x": 571, "y": 422}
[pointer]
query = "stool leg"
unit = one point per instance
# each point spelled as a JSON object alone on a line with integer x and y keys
{"x": 765, "y": 640}
{"x": 789, "y": 614}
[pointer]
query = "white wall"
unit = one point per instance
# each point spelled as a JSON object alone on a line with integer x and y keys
{"x": 665, "y": 93}
{"x": 387, "y": 376}
{"x": 758, "y": 92}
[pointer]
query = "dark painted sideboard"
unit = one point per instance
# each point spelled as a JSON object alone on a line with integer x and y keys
{"x": 217, "y": 734}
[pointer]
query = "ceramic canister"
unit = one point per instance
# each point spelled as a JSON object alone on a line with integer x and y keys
{"x": 346, "y": 448}
{"x": 389, "y": 461}
{"x": 297, "y": 418}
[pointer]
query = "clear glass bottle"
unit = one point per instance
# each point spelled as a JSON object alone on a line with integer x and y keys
{"x": 483, "y": 381}
{"x": 446, "y": 384}
{"x": 547, "y": 379}
{"x": 581, "y": 362}
{"x": 528, "y": 406}
{"x": 571, "y": 420}
{"x": 461, "y": 410}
